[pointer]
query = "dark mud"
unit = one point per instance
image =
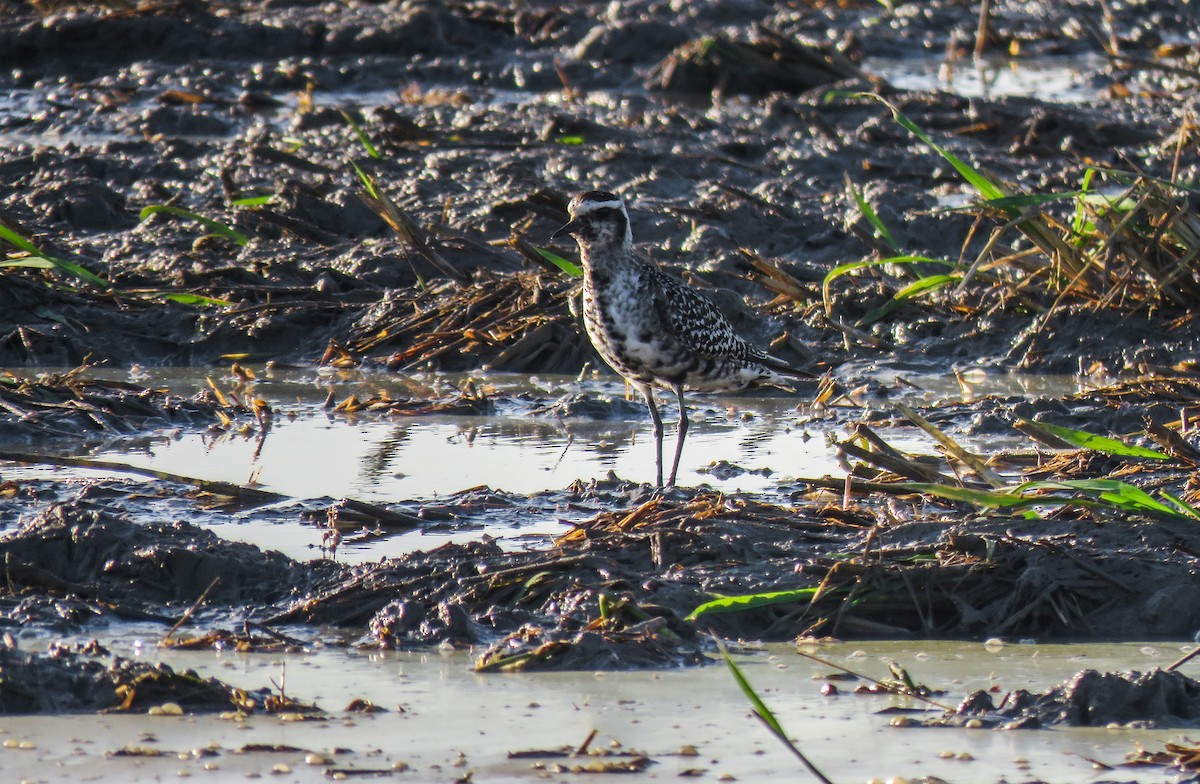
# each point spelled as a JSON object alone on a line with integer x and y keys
{"x": 484, "y": 119}
{"x": 87, "y": 679}
{"x": 620, "y": 590}
{"x": 732, "y": 131}
{"x": 1157, "y": 699}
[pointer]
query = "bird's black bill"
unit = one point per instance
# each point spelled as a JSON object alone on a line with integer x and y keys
{"x": 563, "y": 231}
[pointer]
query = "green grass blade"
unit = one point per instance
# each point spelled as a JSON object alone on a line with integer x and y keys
{"x": 759, "y": 706}
{"x": 767, "y": 716}
{"x": 1183, "y": 506}
{"x": 1080, "y": 220}
{"x": 851, "y": 266}
{"x": 567, "y": 266}
{"x": 868, "y": 212}
{"x": 1115, "y": 493}
{"x": 214, "y": 226}
{"x": 912, "y": 290}
{"x": 977, "y": 179}
{"x": 363, "y": 138}
{"x": 39, "y": 260}
{"x": 18, "y": 242}
{"x": 199, "y": 300}
{"x": 925, "y": 285}
{"x": 368, "y": 182}
{"x": 727, "y": 604}
{"x": 1023, "y": 201}
{"x": 253, "y": 201}
{"x": 1092, "y": 441}
{"x": 30, "y": 262}
{"x": 988, "y": 499}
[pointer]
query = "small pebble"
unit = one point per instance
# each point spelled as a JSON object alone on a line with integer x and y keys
{"x": 166, "y": 709}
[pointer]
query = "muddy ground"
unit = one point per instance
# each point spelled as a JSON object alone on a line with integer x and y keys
{"x": 485, "y": 118}
{"x": 476, "y": 121}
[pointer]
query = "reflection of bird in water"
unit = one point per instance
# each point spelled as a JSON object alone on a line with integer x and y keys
{"x": 652, "y": 328}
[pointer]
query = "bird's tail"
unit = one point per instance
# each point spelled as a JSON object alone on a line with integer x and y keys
{"x": 784, "y": 369}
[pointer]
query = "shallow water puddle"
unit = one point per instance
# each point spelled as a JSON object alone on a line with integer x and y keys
{"x": 1057, "y": 79}
{"x": 310, "y": 452}
{"x": 444, "y": 722}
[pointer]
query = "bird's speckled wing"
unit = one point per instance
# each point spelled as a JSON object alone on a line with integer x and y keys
{"x": 696, "y": 322}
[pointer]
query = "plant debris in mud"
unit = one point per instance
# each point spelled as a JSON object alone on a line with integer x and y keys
{"x": 179, "y": 191}
{"x": 70, "y": 679}
{"x": 71, "y": 405}
{"x": 1157, "y": 699}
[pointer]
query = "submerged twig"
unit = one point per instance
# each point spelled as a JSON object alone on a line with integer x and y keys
{"x": 237, "y": 492}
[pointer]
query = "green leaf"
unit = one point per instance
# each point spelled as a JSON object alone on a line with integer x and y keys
{"x": 17, "y": 241}
{"x": 253, "y": 201}
{"x": 1092, "y": 441}
{"x": 368, "y": 182}
{"x": 728, "y": 604}
{"x": 363, "y": 139}
{"x": 988, "y": 499}
{"x": 31, "y": 262}
{"x": 216, "y": 227}
{"x": 851, "y": 266}
{"x": 1022, "y": 201}
{"x": 925, "y": 285}
{"x": 570, "y": 140}
{"x": 987, "y": 188}
{"x": 1183, "y": 506}
{"x": 1112, "y": 491}
{"x": 868, "y": 212}
{"x": 185, "y": 298}
{"x": 569, "y": 267}
{"x": 39, "y": 260}
{"x": 759, "y": 706}
{"x": 49, "y": 262}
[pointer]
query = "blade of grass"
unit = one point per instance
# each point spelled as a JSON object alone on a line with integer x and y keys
{"x": 1118, "y": 494}
{"x": 368, "y": 182}
{"x": 216, "y": 227}
{"x": 39, "y": 260}
{"x": 1085, "y": 440}
{"x": 915, "y": 289}
{"x": 765, "y": 715}
{"x": 985, "y": 499}
{"x": 185, "y": 298}
{"x": 986, "y": 187}
{"x": 363, "y": 138}
{"x": 727, "y": 604}
{"x": 851, "y": 266}
{"x": 567, "y": 266}
{"x": 252, "y": 201}
{"x": 868, "y": 212}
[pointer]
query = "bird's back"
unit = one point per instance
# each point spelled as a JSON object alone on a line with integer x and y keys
{"x": 652, "y": 327}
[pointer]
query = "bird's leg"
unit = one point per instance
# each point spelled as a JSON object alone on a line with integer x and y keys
{"x": 683, "y": 428}
{"x": 648, "y": 393}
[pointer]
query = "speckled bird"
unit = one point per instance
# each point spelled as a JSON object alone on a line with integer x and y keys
{"x": 653, "y": 328}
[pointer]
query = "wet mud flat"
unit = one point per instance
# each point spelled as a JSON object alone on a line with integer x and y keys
{"x": 183, "y": 156}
